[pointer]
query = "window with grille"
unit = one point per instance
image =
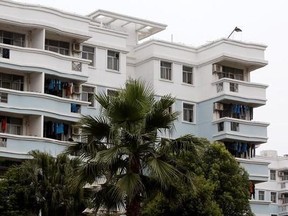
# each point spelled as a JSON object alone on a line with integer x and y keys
{"x": 166, "y": 70}
{"x": 188, "y": 112}
{"x": 232, "y": 73}
{"x": 273, "y": 197}
{"x": 187, "y": 75}
{"x": 272, "y": 174}
{"x": 60, "y": 47}
{"x": 261, "y": 195}
{"x": 12, "y": 38}
{"x": 88, "y": 95}
{"x": 113, "y": 60}
{"x": 88, "y": 53}
{"x": 11, "y": 81}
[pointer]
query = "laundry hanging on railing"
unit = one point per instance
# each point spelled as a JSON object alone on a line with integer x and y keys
{"x": 55, "y": 129}
{"x": 241, "y": 111}
{"x": 3, "y": 124}
{"x": 59, "y": 88}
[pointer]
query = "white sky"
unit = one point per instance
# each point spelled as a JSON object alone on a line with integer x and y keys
{"x": 197, "y": 22}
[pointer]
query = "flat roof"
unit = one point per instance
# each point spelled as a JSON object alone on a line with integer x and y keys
{"x": 144, "y": 28}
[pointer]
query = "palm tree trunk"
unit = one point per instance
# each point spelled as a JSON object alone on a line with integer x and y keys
{"x": 133, "y": 208}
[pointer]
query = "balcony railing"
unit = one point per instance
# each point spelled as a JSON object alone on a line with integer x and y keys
{"x": 52, "y": 61}
{"x": 230, "y": 128}
{"x": 237, "y": 88}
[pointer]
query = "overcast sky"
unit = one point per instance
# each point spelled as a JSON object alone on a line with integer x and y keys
{"x": 198, "y": 22}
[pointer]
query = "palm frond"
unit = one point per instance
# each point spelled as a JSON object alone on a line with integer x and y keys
{"x": 98, "y": 127}
{"x": 131, "y": 185}
{"x": 159, "y": 117}
{"x": 163, "y": 171}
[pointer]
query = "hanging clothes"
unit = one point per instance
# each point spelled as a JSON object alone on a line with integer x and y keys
{"x": 4, "y": 124}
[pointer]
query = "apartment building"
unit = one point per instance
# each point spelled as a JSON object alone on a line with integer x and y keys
{"x": 52, "y": 62}
{"x": 271, "y": 197}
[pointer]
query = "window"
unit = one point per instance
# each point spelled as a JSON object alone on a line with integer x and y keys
{"x": 261, "y": 195}
{"x": 11, "y": 125}
{"x": 88, "y": 95}
{"x": 272, "y": 174}
{"x": 12, "y": 38}
{"x": 10, "y": 81}
{"x": 88, "y": 53}
{"x": 113, "y": 60}
{"x": 285, "y": 176}
{"x": 273, "y": 197}
{"x": 187, "y": 75}
{"x": 166, "y": 70}
{"x": 112, "y": 93}
{"x": 232, "y": 73}
{"x": 60, "y": 47}
{"x": 188, "y": 111}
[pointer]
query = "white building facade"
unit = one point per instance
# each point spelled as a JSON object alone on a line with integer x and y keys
{"x": 271, "y": 197}
{"x": 52, "y": 62}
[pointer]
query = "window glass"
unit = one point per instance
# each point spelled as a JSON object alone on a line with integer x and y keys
{"x": 113, "y": 60}
{"x": 88, "y": 53}
{"x": 261, "y": 195}
{"x": 188, "y": 112}
{"x": 187, "y": 75}
{"x": 60, "y": 47}
{"x": 166, "y": 70}
{"x": 272, "y": 174}
{"x": 273, "y": 197}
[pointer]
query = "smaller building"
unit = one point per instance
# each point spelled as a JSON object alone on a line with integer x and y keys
{"x": 271, "y": 197}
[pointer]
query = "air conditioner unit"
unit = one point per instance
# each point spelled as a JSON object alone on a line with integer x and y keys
{"x": 218, "y": 106}
{"x": 76, "y": 47}
{"x": 217, "y": 68}
{"x": 75, "y": 130}
{"x": 280, "y": 174}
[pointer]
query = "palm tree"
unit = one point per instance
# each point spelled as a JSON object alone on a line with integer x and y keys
{"x": 43, "y": 183}
{"x": 124, "y": 147}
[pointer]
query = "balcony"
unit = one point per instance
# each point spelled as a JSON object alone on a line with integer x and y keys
{"x": 283, "y": 209}
{"x": 42, "y": 60}
{"x": 232, "y": 89}
{"x": 16, "y": 146}
{"x": 229, "y": 129}
{"x": 260, "y": 207}
{"x": 257, "y": 169}
{"x": 38, "y": 104}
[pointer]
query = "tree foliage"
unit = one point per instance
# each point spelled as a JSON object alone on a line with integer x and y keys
{"x": 221, "y": 186}
{"x": 42, "y": 183}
